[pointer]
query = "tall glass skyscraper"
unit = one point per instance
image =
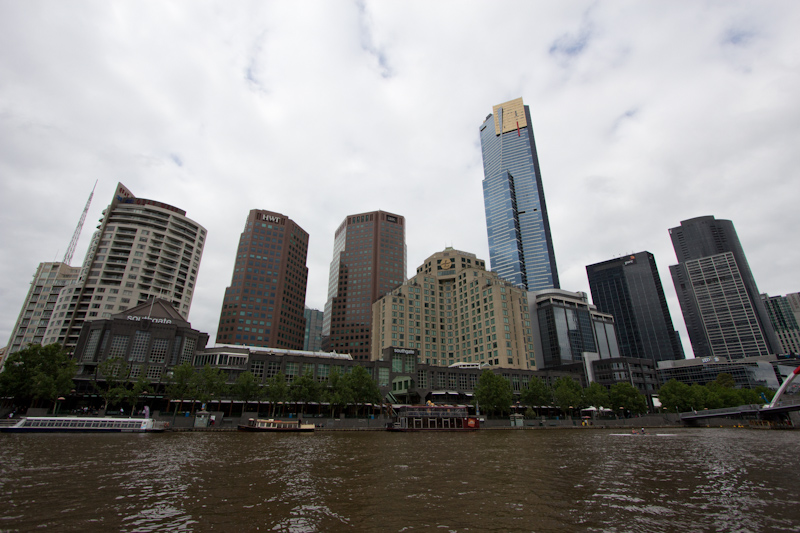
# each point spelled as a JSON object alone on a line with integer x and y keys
{"x": 630, "y": 289}
{"x": 520, "y": 245}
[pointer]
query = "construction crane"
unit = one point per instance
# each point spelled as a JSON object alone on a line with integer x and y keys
{"x": 74, "y": 242}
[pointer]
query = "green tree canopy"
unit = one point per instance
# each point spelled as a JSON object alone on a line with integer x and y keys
{"x": 568, "y": 394}
{"x": 211, "y": 383}
{"x": 110, "y": 379}
{"x": 305, "y": 389}
{"x": 536, "y": 394}
{"x": 674, "y": 396}
{"x": 363, "y": 387}
{"x": 493, "y": 393}
{"x": 246, "y": 388}
{"x": 276, "y": 390}
{"x": 596, "y": 395}
{"x": 628, "y": 397}
{"x": 725, "y": 379}
{"x": 139, "y": 388}
{"x": 338, "y": 392}
{"x": 37, "y": 373}
{"x": 182, "y": 385}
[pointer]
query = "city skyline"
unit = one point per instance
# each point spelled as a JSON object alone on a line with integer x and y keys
{"x": 635, "y": 130}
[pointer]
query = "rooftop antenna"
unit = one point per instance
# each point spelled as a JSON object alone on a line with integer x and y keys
{"x": 75, "y": 236}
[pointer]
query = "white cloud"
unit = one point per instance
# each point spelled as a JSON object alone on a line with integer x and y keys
{"x": 645, "y": 114}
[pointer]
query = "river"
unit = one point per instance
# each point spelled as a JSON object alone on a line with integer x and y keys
{"x": 491, "y": 480}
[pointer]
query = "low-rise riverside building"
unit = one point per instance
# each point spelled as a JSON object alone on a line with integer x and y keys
{"x": 150, "y": 339}
{"x": 748, "y": 372}
{"x": 455, "y": 311}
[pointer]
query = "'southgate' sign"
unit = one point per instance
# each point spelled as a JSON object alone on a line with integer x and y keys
{"x": 153, "y": 320}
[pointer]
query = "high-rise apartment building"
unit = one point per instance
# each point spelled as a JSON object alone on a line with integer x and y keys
{"x": 721, "y": 305}
{"x": 455, "y": 311}
{"x": 369, "y": 260}
{"x": 520, "y": 245}
{"x": 312, "y": 341}
{"x": 40, "y": 303}
{"x": 264, "y": 304}
{"x": 141, "y": 249}
{"x": 570, "y": 329}
{"x": 784, "y": 322}
{"x": 629, "y": 288}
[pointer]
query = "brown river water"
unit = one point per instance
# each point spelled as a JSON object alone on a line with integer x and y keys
{"x": 491, "y": 480}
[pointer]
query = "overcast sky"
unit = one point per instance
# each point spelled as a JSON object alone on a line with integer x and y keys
{"x": 644, "y": 113}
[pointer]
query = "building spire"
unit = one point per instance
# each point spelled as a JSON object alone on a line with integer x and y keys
{"x": 75, "y": 236}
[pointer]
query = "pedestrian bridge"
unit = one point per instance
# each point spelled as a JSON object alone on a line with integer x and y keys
{"x": 777, "y": 408}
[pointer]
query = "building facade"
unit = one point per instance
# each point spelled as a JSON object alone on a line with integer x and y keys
{"x": 40, "y": 303}
{"x": 141, "y": 249}
{"x": 369, "y": 260}
{"x": 148, "y": 340}
{"x": 265, "y": 302}
{"x": 568, "y": 328}
{"x": 784, "y": 322}
{"x": 747, "y": 372}
{"x": 721, "y": 305}
{"x": 520, "y": 245}
{"x": 455, "y": 311}
{"x": 313, "y": 336}
{"x": 629, "y": 288}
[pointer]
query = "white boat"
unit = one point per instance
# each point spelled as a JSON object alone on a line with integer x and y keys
{"x": 74, "y": 424}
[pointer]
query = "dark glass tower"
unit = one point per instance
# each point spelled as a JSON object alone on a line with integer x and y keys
{"x": 264, "y": 304}
{"x": 721, "y": 305}
{"x": 630, "y": 289}
{"x": 520, "y": 246}
{"x": 369, "y": 260}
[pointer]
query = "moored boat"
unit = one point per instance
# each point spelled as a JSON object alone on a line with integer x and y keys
{"x": 74, "y": 424}
{"x": 257, "y": 424}
{"x": 433, "y": 418}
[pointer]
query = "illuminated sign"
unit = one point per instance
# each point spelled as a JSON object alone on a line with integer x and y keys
{"x": 390, "y": 218}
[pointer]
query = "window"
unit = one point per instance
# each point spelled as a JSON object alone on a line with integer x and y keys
{"x": 158, "y": 353}
{"x": 140, "y": 341}
{"x": 257, "y": 368}
{"x": 119, "y": 345}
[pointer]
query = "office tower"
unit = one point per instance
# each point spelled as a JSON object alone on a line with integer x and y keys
{"x": 369, "y": 260}
{"x": 312, "y": 341}
{"x": 454, "y": 311}
{"x": 520, "y": 245}
{"x": 568, "y": 329}
{"x": 39, "y": 304}
{"x": 721, "y": 305}
{"x": 629, "y": 288}
{"x": 141, "y": 249}
{"x": 784, "y": 322}
{"x": 264, "y": 304}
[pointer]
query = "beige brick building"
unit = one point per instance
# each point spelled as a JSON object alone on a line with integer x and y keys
{"x": 453, "y": 311}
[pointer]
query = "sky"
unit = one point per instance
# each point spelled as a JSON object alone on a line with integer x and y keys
{"x": 644, "y": 114}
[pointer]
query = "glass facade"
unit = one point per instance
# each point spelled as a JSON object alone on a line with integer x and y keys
{"x": 520, "y": 245}
{"x": 629, "y": 288}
